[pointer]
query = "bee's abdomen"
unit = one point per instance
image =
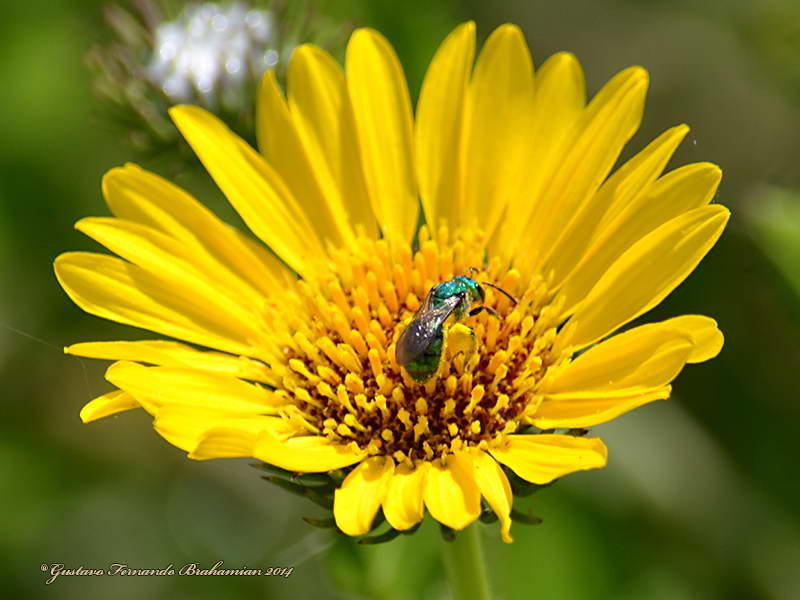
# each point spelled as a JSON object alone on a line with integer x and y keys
{"x": 425, "y": 365}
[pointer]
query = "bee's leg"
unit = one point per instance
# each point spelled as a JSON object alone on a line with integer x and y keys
{"x": 481, "y": 308}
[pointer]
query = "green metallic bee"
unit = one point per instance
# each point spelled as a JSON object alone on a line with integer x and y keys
{"x": 419, "y": 347}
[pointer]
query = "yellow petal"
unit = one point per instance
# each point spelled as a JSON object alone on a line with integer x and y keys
{"x": 256, "y": 192}
{"x": 497, "y": 127}
{"x": 112, "y": 289}
{"x": 403, "y": 505}
{"x": 156, "y": 253}
{"x": 644, "y": 275}
{"x": 308, "y": 179}
{"x": 633, "y": 362}
{"x": 701, "y": 332}
{"x": 609, "y": 121}
{"x": 108, "y": 404}
{"x": 356, "y": 503}
{"x": 229, "y": 436}
{"x": 707, "y": 339}
{"x": 543, "y": 458}
{"x": 307, "y": 454}
{"x": 439, "y": 126}
{"x": 323, "y": 118}
{"x": 631, "y": 180}
{"x": 383, "y": 120}
{"x": 587, "y": 411}
{"x": 560, "y": 96}
{"x": 187, "y": 426}
{"x": 625, "y": 372}
{"x": 559, "y": 99}
{"x": 626, "y": 183}
{"x": 451, "y": 494}
{"x": 173, "y": 354}
{"x": 494, "y": 486}
{"x": 168, "y": 385}
{"x": 679, "y": 191}
{"x": 136, "y": 195}
{"x": 224, "y": 442}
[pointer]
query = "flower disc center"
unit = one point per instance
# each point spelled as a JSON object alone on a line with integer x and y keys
{"x": 344, "y": 377}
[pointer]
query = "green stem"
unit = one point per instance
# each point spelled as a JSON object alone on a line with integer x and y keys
{"x": 466, "y": 570}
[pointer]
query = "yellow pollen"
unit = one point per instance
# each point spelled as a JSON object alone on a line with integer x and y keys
{"x": 421, "y": 427}
{"x": 499, "y": 375}
{"x": 360, "y": 321}
{"x": 354, "y": 383}
{"x": 326, "y": 390}
{"x": 500, "y": 405}
{"x": 344, "y": 399}
{"x": 352, "y": 422}
{"x": 375, "y": 344}
{"x": 385, "y": 385}
{"x": 298, "y": 366}
{"x": 375, "y": 362}
{"x": 404, "y": 416}
{"x": 329, "y": 375}
{"x": 380, "y": 400}
{"x": 475, "y": 397}
{"x": 364, "y": 403}
{"x": 450, "y": 386}
{"x": 337, "y": 352}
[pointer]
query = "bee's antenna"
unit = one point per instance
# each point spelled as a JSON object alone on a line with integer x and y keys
{"x": 473, "y": 270}
{"x": 502, "y": 291}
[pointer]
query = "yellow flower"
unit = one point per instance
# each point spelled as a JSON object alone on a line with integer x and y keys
{"x": 292, "y": 356}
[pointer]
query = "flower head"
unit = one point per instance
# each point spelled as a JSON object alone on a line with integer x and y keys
{"x": 211, "y": 54}
{"x": 290, "y": 355}
{"x": 210, "y": 49}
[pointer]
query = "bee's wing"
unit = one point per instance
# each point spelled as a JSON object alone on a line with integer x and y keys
{"x": 422, "y": 329}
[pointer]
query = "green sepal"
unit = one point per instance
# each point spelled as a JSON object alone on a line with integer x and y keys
{"x": 338, "y": 475}
{"x": 299, "y": 490}
{"x": 382, "y": 538}
{"x": 379, "y": 520}
{"x": 520, "y": 487}
{"x": 309, "y": 479}
{"x": 524, "y": 518}
{"x": 448, "y": 534}
{"x": 272, "y": 470}
{"x": 488, "y": 516}
{"x": 578, "y": 432}
{"x": 329, "y": 523}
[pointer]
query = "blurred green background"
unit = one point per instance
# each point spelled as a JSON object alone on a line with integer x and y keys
{"x": 701, "y": 493}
